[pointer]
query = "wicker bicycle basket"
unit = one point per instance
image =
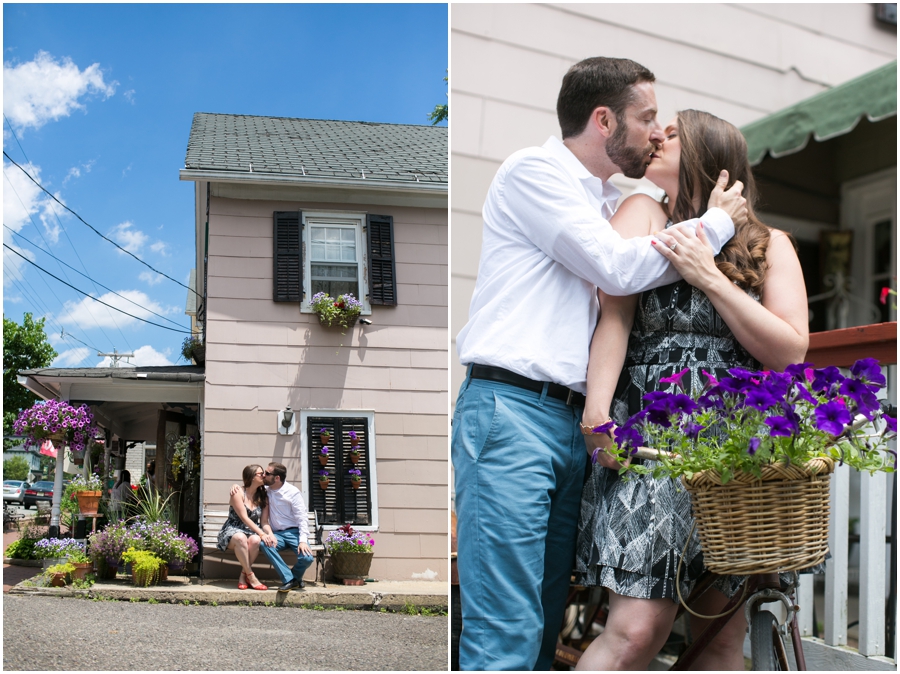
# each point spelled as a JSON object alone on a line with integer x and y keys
{"x": 752, "y": 525}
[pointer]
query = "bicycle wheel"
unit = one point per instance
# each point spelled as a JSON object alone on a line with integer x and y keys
{"x": 767, "y": 652}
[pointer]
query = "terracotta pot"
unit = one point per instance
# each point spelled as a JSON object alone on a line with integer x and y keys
{"x": 89, "y": 502}
{"x": 325, "y": 439}
{"x": 355, "y": 483}
{"x": 323, "y": 459}
{"x": 58, "y": 580}
{"x": 354, "y": 458}
{"x": 323, "y": 484}
{"x": 82, "y": 570}
{"x": 351, "y": 565}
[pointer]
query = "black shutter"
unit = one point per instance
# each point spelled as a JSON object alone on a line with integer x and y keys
{"x": 382, "y": 267}
{"x": 287, "y": 260}
{"x": 339, "y": 503}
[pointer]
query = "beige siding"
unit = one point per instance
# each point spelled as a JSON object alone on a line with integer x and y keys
{"x": 740, "y": 62}
{"x": 262, "y": 355}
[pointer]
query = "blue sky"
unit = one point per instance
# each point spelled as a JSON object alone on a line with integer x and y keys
{"x": 98, "y": 101}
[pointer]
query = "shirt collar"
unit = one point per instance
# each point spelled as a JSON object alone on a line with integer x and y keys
{"x": 605, "y": 191}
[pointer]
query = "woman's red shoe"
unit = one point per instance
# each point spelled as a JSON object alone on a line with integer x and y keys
{"x": 242, "y": 582}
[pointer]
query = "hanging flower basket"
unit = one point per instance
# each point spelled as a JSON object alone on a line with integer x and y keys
{"x": 752, "y": 525}
{"x": 57, "y": 421}
{"x": 342, "y": 311}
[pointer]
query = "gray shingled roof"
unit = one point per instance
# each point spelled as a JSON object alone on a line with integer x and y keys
{"x": 318, "y": 148}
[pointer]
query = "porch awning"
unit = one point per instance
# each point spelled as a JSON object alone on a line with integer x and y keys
{"x": 826, "y": 115}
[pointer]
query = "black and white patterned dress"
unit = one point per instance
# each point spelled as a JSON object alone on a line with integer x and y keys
{"x": 632, "y": 532}
{"x": 234, "y": 524}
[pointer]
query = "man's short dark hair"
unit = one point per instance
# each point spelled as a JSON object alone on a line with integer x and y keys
{"x": 596, "y": 82}
{"x": 278, "y": 470}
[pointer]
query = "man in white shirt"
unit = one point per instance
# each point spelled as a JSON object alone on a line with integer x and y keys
{"x": 518, "y": 452}
{"x": 289, "y": 527}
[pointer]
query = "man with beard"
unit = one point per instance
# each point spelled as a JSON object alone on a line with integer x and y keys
{"x": 518, "y": 452}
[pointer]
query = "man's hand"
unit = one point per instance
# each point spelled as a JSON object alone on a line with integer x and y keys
{"x": 235, "y": 488}
{"x": 303, "y": 549}
{"x": 731, "y": 201}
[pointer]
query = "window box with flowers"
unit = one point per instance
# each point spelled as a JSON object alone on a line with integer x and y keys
{"x": 341, "y": 311}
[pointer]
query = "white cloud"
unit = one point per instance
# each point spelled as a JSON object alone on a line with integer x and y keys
{"x": 132, "y": 240}
{"x": 150, "y": 278}
{"x": 24, "y": 202}
{"x": 72, "y": 357}
{"x": 126, "y": 170}
{"x": 160, "y": 247}
{"x": 75, "y": 171}
{"x": 88, "y": 312}
{"x": 145, "y": 355}
{"x": 129, "y": 96}
{"x": 43, "y": 90}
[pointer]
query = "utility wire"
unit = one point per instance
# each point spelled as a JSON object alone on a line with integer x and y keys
{"x": 90, "y": 279}
{"x": 144, "y": 320}
{"x": 94, "y": 229}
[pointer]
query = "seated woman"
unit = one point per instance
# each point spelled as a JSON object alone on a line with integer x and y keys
{"x": 248, "y": 513}
{"x": 121, "y": 497}
{"x": 746, "y": 308}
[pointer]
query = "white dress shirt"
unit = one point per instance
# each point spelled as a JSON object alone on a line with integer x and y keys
{"x": 287, "y": 510}
{"x": 547, "y": 247}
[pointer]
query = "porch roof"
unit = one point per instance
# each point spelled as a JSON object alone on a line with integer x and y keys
{"x": 825, "y": 115}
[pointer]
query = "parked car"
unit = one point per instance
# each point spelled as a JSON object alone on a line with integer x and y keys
{"x": 39, "y": 491}
{"x": 14, "y": 491}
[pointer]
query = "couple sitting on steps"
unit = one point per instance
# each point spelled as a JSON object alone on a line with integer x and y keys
{"x": 267, "y": 512}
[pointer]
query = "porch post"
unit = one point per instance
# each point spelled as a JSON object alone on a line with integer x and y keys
{"x": 58, "y": 478}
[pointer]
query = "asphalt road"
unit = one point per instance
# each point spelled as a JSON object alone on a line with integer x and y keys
{"x": 51, "y": 633}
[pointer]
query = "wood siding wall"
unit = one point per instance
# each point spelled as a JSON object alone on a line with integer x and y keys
{"x": 262, "y": 355}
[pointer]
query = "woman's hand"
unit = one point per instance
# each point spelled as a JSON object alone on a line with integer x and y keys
{"x": 691, "y": 254}
{"x": 601, "y": 442}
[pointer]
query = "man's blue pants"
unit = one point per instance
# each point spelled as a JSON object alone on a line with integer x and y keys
{"x": 519, "y": 460}
{"x": 287, "y": 539}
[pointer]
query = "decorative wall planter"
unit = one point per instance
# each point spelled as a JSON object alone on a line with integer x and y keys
{"x": 323, "y": 484}
{"x": 323, "y": 459}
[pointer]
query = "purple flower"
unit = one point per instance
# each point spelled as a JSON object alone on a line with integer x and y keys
{"x": 710, "y": 380}
{"x": 891, "y": 423}
{"x": 323, "y": 473}
{"x": 683, "y": 404}
{"x": 869, "y": 372}
{"x": 654, "y": 396}
{"x": 753, "y": 445}
{"x": 692, "y": 430}
{"x": 798, "y": 371}
{"x": 832, "y": 417}
{"x": 324, "y": 450}
{"x": 759, "y": 399}
{"x": 780, "y": 426}
{"x": 862, "y": 395}
{"x": 352, "y": 435}
{"x": 604, "y": 428}
{"x": 658, "y": 416}
{"x": 825, "y": 378}
{"x": 676, "y": 378}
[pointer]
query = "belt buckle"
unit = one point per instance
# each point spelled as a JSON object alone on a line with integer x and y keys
{"x": 569, "y": 397}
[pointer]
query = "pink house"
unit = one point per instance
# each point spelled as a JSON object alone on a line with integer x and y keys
{"x": 287, "y": 208}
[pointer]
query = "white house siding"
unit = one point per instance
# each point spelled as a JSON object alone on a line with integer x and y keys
{"x": 262, "y": 355}
{"x": 740, "y": 62}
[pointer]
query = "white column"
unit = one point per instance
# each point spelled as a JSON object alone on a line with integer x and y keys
{"x": 836, "y": 567}
{"x": 873, "y": 509}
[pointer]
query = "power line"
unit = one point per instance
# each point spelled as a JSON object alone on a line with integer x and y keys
{"x": 144, "y": 320}
{"x": 92, "y": 228}
{"x": 15, "y": 233}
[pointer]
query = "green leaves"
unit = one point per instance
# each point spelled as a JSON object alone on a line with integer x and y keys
{"x": 25, "y": 347}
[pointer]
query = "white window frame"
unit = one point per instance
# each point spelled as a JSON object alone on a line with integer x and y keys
{"x": 369, "y": 416}
{"x": 325, "y": 218}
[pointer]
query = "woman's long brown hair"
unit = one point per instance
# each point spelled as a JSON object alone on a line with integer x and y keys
{"x": 709, "y": 145}
{"x": 260, "y": 498}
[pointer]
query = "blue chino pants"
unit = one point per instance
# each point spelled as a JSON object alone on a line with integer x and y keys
{"x": 519, "y": 460}
{"x": 287, "y": 539}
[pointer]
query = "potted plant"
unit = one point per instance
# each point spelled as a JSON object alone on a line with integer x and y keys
{"x": 323, "y": 479}
{"x": 164, "y": 541}
{"x": 87, "y": 492}
{"x": 355, "y": 477}
{"x": 55, "y": 550}
{"x": 55, "y": 420}
{"x": 351, "y": 554}
{"x": 755, "y": 442}
{"x": 354, "y": 447}
{"x": 342, "y": 311}
{"x": 183, "y": 459}
{"x": 324, "y": 435}
{"x": 58, "y": 573}
{"x": 107, "y": 547}
{"x": 193, "y": 348}
{"x": 145, "y": 567}
{"x": 81, "y": 564}
{"x": 323, "y": 455}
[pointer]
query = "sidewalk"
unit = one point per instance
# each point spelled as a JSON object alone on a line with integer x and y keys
{"x": 391, "y": 595}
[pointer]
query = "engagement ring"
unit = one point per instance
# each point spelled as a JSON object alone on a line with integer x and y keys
{"x": 672, "y": 247}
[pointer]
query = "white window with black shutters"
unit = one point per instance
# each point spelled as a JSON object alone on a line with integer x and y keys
{"x": 336, "y": 253}
{"x": 348, "y": 493}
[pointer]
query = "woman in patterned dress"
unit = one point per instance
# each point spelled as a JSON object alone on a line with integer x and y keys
{"x": 745, "y": 308}
{"x": 247, "y": 525}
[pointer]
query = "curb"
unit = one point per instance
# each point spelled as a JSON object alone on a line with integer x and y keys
{"x": 34, "y": 563}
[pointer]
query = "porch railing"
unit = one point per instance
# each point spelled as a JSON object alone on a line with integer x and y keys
{"x": 877, "y": 583}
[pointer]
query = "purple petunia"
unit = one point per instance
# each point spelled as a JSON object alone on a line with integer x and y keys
{"x": 753, "y": 445}
{"x": 869, "y": 372}
{"x": 831, "y": 417}
{"x": 676, "y": 378}
{"x": 891, "y": 423}
{"x": 780, "y": 426}
{"x": 825, "y": 378}
{"x": 759, "y": 399}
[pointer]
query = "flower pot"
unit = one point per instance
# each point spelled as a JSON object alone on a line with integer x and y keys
{"x": 105, "y": 569}
{"x": 324, "y": 439}
{"x": 323, "y": 459}
{"x": 323, "y": 484}
{"x": 176, "y": 566}
{"x": 354, "y": 458}
{"x": 58, "y": 580}
{"x": 82, "y": 570}
{"x": 89, "y": 502}
{"x": 145, "y": 578}
{"x": 353, "y": 566}
{"x": 53, "y": 561}
{"x": 199, "y": 355}
{"x": 355, "y": 483}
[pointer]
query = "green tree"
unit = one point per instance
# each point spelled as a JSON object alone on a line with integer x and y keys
{"x": 440, "y": 113}
{"x": 25, "y": 347}
{"x": 15, "y": 468}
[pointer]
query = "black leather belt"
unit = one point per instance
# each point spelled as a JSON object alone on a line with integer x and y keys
{"x": 498, "y": 374}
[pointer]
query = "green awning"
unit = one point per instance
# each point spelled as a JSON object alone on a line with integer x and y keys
{"x": 826, "y": 115}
